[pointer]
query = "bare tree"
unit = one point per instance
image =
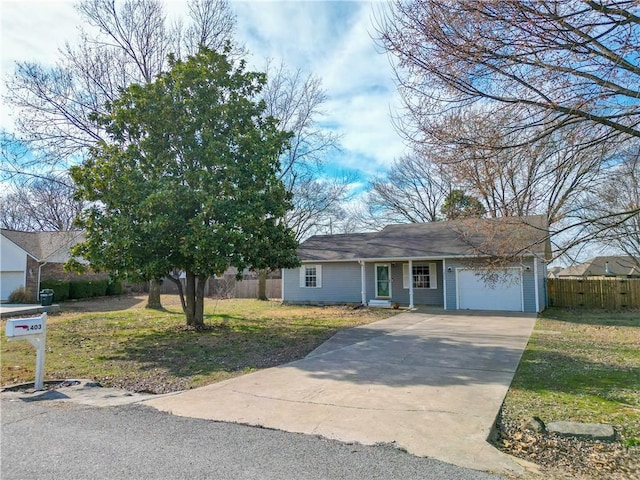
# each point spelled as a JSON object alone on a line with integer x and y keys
{"x": 413, "y": 190}
{"x": 40, "y": 204}
{"x": 554, "y": 83}
{"x": 545, "y": 177}
{"x": 296, "y": 100}
{"x": 470, "y": 151}
{"x": 568, "y": 62}
{"x": 614, "y": 206}
{"x": 318, "y": 204}
{"x": 212, "y": 25}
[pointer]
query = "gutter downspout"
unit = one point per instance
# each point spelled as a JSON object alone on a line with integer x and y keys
{"x": 40, "y": 265}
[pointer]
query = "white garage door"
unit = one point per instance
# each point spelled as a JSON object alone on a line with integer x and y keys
{"x": 502, "y": 292}
{"x": 9, "y": 281}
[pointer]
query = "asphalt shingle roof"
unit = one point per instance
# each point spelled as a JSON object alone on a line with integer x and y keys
{"x": 597, "y": 266}
{"x": 469, "y": 237}
{"x": 52, "y": 247}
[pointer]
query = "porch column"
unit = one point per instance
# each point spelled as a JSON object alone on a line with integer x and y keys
{"x": 535, "y": 283}
{"x": 410, "y": 283}
{"x": 363, "y": 283}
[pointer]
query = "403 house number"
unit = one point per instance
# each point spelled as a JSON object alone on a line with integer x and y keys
{"x": 31, "y": 328}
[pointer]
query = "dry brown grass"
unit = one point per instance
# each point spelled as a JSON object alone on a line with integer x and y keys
{"x": 119, "y": 343}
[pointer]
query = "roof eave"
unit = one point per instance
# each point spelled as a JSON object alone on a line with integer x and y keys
{"x": 22, "y": 248}
{"x": 403, "y": 259}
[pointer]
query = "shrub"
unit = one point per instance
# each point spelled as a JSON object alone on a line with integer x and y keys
{"x": 99, "y": 288}
{"x": 87, "y": 288}
{"x": 60, "y": 289}
{"x": 19, "y": 295}
{"x": 114, "y": 287}
{"x": 78, "y": 289}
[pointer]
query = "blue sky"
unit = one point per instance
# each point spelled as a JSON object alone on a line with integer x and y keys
{"x": 332, "y": 40}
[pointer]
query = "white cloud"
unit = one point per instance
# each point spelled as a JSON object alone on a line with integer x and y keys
{"x": 363, "y": 95}
{"x": 34, "y": 30}
{"x": 333, "y": 40}
{"x": 300, "y": 33}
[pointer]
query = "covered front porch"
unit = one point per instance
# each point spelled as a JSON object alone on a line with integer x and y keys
{"x": 388, "y": 281}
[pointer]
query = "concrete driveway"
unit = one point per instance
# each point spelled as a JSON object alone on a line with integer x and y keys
{"x": 432, "y": 383}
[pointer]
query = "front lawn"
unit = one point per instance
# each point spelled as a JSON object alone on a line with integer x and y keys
{"x": 120, "y": 344}
{"x": 581, "y": 366}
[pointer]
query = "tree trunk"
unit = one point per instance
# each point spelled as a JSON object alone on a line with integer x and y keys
{"x": 262, "y": 284}
{"x": 199, "y": 304}
{"x": 194, "y": 301}
{"x": 154, "y": 295}
{"x": 190, "y": 294}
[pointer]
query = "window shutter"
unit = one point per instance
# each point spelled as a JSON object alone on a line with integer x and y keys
{"x": 318, "y": 276}
{"x": 303, "y": 269}
{"x": 433, "y": 275}
{"x": 405, "y": 275}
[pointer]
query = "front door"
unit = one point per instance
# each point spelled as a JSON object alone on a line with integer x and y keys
{"x": 383, "y": 281}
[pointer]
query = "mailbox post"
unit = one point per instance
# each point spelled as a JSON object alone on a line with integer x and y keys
{"x": 34, "y": 330}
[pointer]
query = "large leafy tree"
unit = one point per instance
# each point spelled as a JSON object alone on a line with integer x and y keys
{"x": 458, "y": 204}
{"x": 188, "y": 179}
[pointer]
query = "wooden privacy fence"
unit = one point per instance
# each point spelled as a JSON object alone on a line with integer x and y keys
{"x": 248, "y": 288}
{"x": 607, "y": 293}
{"x": 229, "y": 287}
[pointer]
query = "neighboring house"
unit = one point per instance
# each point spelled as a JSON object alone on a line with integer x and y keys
{"x": 552, "y": 272}
{"x": 435, "y": 263}
{"x": 27, "y": 258}
{"x": 606, "y": 266}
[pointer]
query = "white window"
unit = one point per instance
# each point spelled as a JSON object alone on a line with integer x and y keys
{"x": 424, "y": 275}
{"x": 311, "y": 276}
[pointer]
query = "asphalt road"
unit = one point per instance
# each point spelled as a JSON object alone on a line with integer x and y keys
{"x": 54, "y": 440}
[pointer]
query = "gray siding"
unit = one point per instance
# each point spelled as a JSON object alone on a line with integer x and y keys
{"x": 399, "y": 294}
{"x": 450, "y": 278}
{"x": 421, "y": 296}
{"x": 340, "y": 284}
{"x": 542, "y": 283}
{"x": 529, "y": 287}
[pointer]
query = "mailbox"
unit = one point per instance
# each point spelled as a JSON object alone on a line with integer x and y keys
{"x": 34, "y": 330}
{"x": 24, "y": 326}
